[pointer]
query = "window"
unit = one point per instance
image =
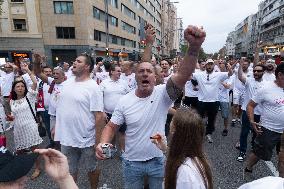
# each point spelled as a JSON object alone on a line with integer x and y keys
{"x": 128, "y": 12}
{"x": 63, "y": 7}
{"x": 128, "y": 28}
{"x": 97, "y": 35}
{"x": 17, "y": 1}
{"x": 113, "y": 39}
{"x": 99, "y": 14}
{"x": 20, "y": 24}
{"x": 123, "y": 41}
{"x": 113, "y": 20}
{"x": 65, "y": 32}
{"x": 113, "y": 3}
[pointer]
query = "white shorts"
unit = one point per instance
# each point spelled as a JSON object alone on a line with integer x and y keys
{"x": 238, "y": 97}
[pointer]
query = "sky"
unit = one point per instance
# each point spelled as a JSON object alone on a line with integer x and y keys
{"x": 218, "y": 18}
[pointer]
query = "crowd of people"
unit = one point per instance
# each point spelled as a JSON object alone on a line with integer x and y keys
{"x": 160, "y": 112}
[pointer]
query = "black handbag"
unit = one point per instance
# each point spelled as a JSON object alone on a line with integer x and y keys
{"x": 41, "y": 129}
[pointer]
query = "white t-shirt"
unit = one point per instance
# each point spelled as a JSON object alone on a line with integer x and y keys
{"x": 223, "y": 92}
{"x": 209, "y": 86}
{"x": 239, "y": 87}
{"x": 216, "y": 69}
{"x": 271, "y": 99}
{"x": 130, "y": 79}
{"x": 100, "y": 76}
{"x": 75, "y": 118}
{"x": 69, "y": 73}
{"x": 251, "y": 88}
{"x": 188, "y": 88}
{"x": 268, "y": 76}
{"x": 264, "y": 183}
{"x": 188, "y": 176}
{"x": 112, "y": 92}
{"x": 144, "y": 117}
{"x": 7, "y": 82}
{"x": 54, "y": 96}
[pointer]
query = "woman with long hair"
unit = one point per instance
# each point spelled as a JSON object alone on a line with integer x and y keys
{"x": 186, "y": 165}
{"x": 26, "y": 134}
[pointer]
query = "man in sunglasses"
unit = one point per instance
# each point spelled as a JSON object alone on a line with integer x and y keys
{"x": 252, "y": 85}
{"x": 208, "y": 83}
{"x": 271, "y": 99}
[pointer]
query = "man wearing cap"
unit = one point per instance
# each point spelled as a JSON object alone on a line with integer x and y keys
{"x": 14, "y": 168}
{"x": 208, "y": 83}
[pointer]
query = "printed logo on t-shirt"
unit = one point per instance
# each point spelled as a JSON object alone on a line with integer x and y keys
{"x": 279, "y": 101}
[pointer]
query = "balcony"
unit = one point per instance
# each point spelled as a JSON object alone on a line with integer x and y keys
{"x": 281, "y": 22}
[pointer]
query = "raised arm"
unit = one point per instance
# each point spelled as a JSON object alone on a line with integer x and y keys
{"x": 150, "y": 38}
{"x": 195, "y": 37}
{"x": 256, "y": 53}
{"x": 37, "y": 68}
{"x": 241, "y": 75}
{"x": 230, "y": 70}
{"x": 26, "y": 69}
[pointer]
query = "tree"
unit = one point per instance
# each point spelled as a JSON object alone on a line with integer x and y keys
{"x": 183, "y": 49}
{"x": 215, "y": 56}
{"x": 202, "y": 55}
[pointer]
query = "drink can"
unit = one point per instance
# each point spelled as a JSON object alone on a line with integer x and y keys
{"x": 107, "y": 150}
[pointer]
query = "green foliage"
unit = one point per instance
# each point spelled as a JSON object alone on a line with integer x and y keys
{"x": 183, "y": 48}
{"x": 202, "y": 55}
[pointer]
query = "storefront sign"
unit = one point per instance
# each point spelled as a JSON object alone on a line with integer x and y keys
{"x": 24, "y": 55}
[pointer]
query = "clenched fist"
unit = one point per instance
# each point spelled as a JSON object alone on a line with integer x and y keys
{"x": 195, "y": 36}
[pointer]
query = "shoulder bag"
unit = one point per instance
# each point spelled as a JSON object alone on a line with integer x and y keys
{"x": 41, "y": 129}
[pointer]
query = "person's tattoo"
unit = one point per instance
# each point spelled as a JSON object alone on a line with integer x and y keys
{"x": 173, "y": 91}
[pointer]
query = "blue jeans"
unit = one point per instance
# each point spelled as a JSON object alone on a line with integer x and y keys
{"x": 134, "y": 172}
{"x": 246, "y": 127}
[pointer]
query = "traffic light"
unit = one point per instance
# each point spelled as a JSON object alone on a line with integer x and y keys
{"x": 107, "y": 53}
{"x": 143, "y": 43}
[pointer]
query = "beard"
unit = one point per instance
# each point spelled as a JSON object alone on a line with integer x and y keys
{"x": 269, "y": 68}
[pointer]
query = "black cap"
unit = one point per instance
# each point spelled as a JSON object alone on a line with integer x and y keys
{"x": 13, "y": 167}
{"x": 99, "y": 59}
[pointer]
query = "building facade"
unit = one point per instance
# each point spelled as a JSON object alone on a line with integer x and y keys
{"x": 267, "y": 25}
{"x": 63, "y": 29}
{"x": 20, "y": 29}
{"x": 272, "y": 22}
{"x": 242, "y": 37}
{"x": 230, "y": 46}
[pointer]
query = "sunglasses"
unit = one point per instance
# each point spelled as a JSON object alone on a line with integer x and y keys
{"x": 208, "y": 77}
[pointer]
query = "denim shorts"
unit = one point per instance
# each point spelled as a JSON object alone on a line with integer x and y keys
{"x": 134, "y": 172}
{"x": 224, "y": 109}
{"x": 75, "y": 155}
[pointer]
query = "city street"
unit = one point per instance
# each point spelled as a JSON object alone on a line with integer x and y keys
{"x": 227, "y": 172}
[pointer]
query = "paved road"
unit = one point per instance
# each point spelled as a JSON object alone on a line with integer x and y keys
{"x": 227, "y": 172}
